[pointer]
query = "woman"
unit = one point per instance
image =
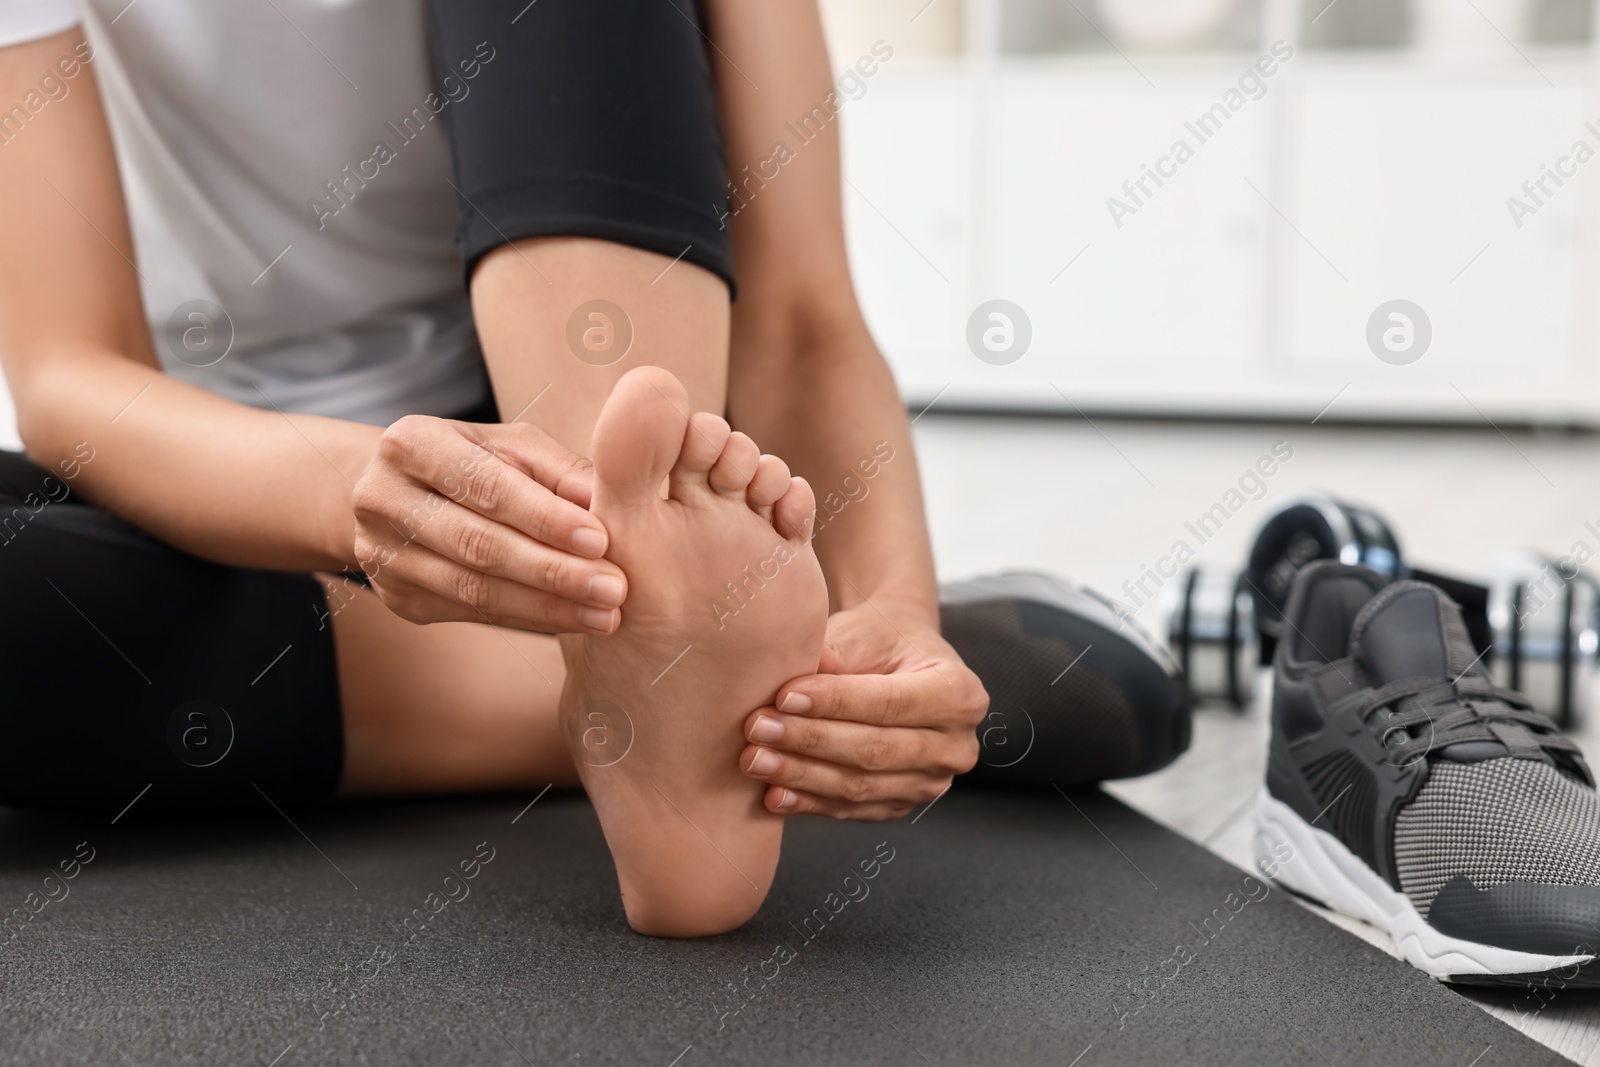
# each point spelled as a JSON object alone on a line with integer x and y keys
{"x": 287, "y": 380}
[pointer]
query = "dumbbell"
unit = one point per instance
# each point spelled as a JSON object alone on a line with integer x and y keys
{"x": 1544, "y": 615}
{"x": 1536, "y": 621}
{"x": 1533, "y": 619}
{"x": 1222, "y": 624}
{"x": 1211, "y": 632}
{"x": 1301, "y": 532}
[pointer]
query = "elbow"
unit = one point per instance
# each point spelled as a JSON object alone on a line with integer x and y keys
{"x": 33, "y": 424}
{"x": 38, "y": 425}
{"x": 53, "y": 411}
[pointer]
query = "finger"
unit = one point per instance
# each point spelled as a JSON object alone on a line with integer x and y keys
{"x": 417, "y": 575}
{"x": 783, "y": 801}
{"x": 463, "y": 463}
{"x": 503, "y": 492}
{"x": 830, "y": 780}
{"x": 932, "y": 698}
{"x": 478, "y": 543}
{"x": 416, "y": 604}
{"x": 858, "y": 745}
{"x": 538, "y": 455}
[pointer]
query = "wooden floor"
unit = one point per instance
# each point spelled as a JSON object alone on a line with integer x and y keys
{"x": 1098, "y": 501}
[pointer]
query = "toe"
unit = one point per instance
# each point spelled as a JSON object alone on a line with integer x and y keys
{"x": 639, "y": 436}
{"x": 702, "y": 445}
{"x": 733, "y": 470}
{"x": 770, "y": 483}
{"x": 792, "y": 514}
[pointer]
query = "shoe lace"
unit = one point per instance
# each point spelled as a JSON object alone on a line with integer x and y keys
{"x": 1424, "y": 714}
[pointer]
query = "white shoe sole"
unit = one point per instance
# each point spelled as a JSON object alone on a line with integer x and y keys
{"x": 1322, "y": 868}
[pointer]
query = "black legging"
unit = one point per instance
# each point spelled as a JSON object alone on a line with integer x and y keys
{"x": 129, "y": 664}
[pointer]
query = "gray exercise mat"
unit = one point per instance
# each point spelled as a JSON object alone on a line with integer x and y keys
{"x": 997, "y": 928}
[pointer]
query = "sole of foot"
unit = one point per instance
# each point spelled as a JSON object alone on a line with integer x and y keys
{"x": 726, "y": 602}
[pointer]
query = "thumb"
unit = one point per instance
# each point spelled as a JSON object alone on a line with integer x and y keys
{"x": 834, "y": 660}
{"x": 849, "y": 646}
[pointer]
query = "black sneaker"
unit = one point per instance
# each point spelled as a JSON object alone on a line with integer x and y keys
{"x": 1077, "y": 692}
{"x": 1406, "y": 789}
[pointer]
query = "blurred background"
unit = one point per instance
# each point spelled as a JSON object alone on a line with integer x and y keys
{"x": 1374, "y": 165}
{"x": 1117, "y": 251}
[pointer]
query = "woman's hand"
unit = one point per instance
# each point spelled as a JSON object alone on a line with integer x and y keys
{"x": 886, "y": 724}
{"x": 457, "y": 521}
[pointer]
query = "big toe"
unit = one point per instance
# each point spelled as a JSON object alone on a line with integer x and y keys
{"x": 638, "y": 436}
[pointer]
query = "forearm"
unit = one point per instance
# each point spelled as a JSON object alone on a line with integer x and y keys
{"x": 805, "y": 379}
{"x": 839, "y": 423}
{"x": 223, "y": 481}
{"x": 218, "y": 479}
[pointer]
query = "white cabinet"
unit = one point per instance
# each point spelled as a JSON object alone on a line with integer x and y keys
{"x": 907, "y": 160}
{"x": 1163, "y": 288}
{"x": 1402, "y": 183}
{"x": 1243, "y": 283}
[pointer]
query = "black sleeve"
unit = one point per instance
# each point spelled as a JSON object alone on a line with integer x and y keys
{"x": 592, "y": 118}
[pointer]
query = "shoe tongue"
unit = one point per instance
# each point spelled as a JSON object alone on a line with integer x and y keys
{"x": 1411, "y": 630}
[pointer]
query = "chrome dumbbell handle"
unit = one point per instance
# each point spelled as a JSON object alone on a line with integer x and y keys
{"x": 1543, "y": 619}
{"x": 1209, "y": 620}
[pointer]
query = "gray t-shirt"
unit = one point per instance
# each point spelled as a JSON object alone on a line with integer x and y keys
{"x": 285, "y": 162}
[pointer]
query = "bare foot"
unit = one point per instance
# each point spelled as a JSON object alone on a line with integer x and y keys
{"x": 726, "y": 602}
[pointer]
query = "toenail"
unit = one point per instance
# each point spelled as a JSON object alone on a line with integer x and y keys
{"x": 602, "y": 620}
{"x": 763, "y": 763}
{"x": 767, "y": 730}
{"x": 795, "y": 704}
{"x": 588, "y": 542}
{"x": 606, "y": 590}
